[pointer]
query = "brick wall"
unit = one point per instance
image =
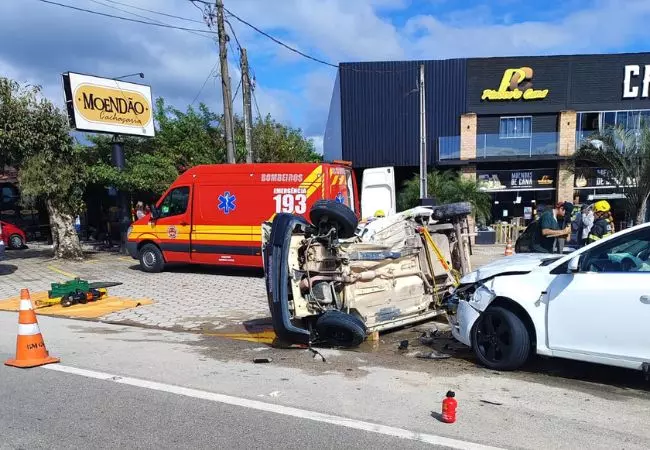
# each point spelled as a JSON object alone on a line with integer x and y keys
{"x": 567, "y": 137}
{"x": 468, "y": 136}
{"x": 565, "y": 182}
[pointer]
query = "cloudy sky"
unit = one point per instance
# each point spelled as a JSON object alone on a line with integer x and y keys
{"x": 39, "y": 41}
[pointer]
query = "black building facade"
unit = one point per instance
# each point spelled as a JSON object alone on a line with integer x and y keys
{"x": 509, "y": 122}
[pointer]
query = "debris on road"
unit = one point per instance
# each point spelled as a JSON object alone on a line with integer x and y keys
{"x": 262, "y": 360}
{"x": 403, "y": 345}
{"x": 434, "y": 354}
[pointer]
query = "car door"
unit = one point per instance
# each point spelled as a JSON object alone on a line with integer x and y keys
{"x": 603, "y": 309}
{"x": 173, "y": 225}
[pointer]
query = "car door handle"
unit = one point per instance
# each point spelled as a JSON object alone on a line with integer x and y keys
{"x": 183, "y": 224}
{"x": 645, "y": 299}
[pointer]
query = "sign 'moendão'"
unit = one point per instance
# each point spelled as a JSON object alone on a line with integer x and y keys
{"x": 108, "y": 106}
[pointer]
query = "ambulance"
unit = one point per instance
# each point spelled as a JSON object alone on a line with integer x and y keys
{"x": 213, "y": 214}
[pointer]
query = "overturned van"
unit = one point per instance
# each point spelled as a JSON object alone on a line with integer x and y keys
{"x": 329, "y": 281}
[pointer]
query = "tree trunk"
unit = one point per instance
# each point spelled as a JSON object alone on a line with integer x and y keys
{"x": 642, "y": 211}
{"x": 64, "y": 236}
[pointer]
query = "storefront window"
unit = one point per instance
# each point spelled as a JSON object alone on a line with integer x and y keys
{"x": 515, "y": 127}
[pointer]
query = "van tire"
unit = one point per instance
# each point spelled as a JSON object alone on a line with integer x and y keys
{"x": 340, "y": 329}
{"x": 336, "y": 213}
{"x": 151, "y": 259}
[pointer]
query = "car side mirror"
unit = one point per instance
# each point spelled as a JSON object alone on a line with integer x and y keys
{"x": 155, "y": 213}
{"x": 574, "y": 265}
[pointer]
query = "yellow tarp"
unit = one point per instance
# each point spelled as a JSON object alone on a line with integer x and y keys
{"x": 92, "y": 310}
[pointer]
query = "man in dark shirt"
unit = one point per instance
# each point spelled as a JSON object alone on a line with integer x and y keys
{"x": 549, "y": 229}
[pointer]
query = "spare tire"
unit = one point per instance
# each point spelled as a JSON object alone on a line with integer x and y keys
{"x": 337, "y": 214}
{"x": 340, "y": 329}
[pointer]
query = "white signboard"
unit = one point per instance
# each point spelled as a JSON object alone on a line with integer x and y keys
{"x": 105, "y": 105}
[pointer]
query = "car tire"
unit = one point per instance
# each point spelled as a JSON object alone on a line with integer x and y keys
{"x": 16, "y": 242}
{"x": 151, "y": 259}
{"x": 500, "y": 339}
{"x": 336, "y": 213}
{"x": 340, "y": 329}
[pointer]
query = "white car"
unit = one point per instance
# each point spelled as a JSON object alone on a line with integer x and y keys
{"x": 592, "y": 305}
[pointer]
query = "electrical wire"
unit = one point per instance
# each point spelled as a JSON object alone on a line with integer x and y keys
{"x": 126, "y": 18}
{"x": 156, "y": 12}
{"x": 236, "y": 91}
{"x": 257, "y": 108}
{"x": 205, "y": 82}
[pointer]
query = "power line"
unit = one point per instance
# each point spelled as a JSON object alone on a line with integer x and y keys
{"x": 204, "y": 83}
{"x": 257, "y": 108}
{"x": 236, "y": 91}
{"x": 127, "y": 18}
{"x": 156, "y": 12}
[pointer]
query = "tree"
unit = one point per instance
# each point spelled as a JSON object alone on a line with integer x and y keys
{"x": 447, "y": 187}
{"x": 186, "y": 139}
{"x": 625, "y": 157}
{"x": 35, "y": 139}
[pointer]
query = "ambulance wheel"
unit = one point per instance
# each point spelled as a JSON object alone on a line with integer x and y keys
{"x": 151, "y": 259}
{"x": 337, "y": 214}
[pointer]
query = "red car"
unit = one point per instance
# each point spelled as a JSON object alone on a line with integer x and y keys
{"x": 13, "y": 237}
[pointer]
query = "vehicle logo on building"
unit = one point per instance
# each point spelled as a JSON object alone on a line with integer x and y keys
{"x": 516, "y": 84}
{"x": 227, "y": 202}
{"x": 171, "y": 232}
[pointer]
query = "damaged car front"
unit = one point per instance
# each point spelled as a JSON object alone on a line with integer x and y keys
{"x": 493, "y": 309}
{"x": 329, "y": 282}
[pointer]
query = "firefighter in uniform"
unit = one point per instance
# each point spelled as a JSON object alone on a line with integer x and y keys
{"x": 603, "y": 224}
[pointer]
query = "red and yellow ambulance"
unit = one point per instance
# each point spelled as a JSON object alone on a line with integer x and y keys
{"x": 213, "y": 214}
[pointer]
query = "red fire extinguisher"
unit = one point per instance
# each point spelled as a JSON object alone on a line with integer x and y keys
{"x": 449, "y": 405}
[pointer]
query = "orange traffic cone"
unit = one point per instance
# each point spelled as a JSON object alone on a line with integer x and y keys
{"x": 509, "y": 251}
{"x": 30, "y": 348}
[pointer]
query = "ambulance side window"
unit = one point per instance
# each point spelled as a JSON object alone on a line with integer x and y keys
{"x": 176, "y": 202}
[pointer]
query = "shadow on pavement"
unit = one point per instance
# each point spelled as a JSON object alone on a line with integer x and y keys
{"x": 7, "y": 269}
{"x": 210, "y": 270}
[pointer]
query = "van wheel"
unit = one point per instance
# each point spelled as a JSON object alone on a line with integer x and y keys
{"x": 151, "y": 259}
{"x": 336, "y": 214}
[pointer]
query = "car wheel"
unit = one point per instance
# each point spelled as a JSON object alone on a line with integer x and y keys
{"x": 340, "y": 329}
{"x": 151, "y": 259}
{"x": 500, "y": 339}
{"x": 16, "y": 242}
{"x": 338, "y": 214}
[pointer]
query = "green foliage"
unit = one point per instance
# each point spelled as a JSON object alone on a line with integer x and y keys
{"x": 447, "y": 187}
{"x": 625, "y": 154}
{"x": 35, "y": 138}
{"x": 186, "y": 139}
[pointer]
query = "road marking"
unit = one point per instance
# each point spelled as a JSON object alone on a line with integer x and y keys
{"x": 273, "y": 408}
{"x": 62, "y": 272}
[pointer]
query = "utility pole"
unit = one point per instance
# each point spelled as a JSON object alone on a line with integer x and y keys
{"x": 248, "y": 115}
{"x": 225, "y": 84}
{"x": 424, "y": 191}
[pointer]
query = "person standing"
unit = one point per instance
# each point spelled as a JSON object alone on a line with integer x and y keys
{"x": 549, "y": 229}
{"x": 565, "y": 222}
{"x": 602, "y": 226}
{"x": 139, "y": 210}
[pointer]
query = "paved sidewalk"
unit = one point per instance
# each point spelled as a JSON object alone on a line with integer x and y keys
{"x": 186, "y": 297}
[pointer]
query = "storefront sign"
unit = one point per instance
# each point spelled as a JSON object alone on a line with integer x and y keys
{"x": 595, "y": 178}
{"x": 516, "y": 84}
{"x": 631, "y": 87}
{"x": 108, "y": 106}
{"x": 516, "y": 179}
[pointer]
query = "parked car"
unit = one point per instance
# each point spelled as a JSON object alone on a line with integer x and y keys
{"x": 592, "y": 305}
{"x": 12, "y": 236}
{"x": 326, "y": 284}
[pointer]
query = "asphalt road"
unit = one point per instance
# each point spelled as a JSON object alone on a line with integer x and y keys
{"x": 46, "y": 409}
{"x": 127, "y": 386}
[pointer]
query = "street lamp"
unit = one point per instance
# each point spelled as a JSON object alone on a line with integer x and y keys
{"x": 139, "y": 74}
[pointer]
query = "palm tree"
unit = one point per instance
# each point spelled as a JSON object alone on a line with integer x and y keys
{"x": 447, "y": 187}
{"x": 625, "y": 156}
